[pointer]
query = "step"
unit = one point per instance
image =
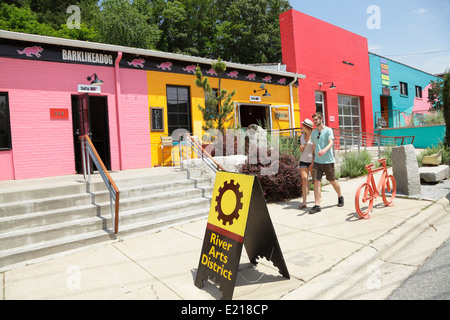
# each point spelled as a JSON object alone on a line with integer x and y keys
{"x": 36, "y": 250}
{"x": 71, "y": 200}
{"x": 34, "y": 189}
{"x": 12, "y": 223}
{"x": 37, "y": 221}
{"x": 34, "y": 234}
{"x": 148, "y": 189}
{"x": 41, "y": 192}
{"x": 161, "y": 222}
{"x": 12, "y": 256}
{"x": 44, "y": 204}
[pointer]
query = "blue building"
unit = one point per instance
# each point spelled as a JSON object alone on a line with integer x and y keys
{"x": 399, "y": 93}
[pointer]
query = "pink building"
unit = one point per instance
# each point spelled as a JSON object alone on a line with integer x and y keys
{"x": 145, "y": 95}
{"x": 42, "y": 82}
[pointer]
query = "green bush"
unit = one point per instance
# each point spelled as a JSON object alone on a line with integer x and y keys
{"x": 387, "y": 154}
{"x": 290, "y": 145}
{"x": 354, "y": 164}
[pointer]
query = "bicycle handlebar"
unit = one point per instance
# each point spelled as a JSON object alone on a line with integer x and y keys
{"x": 369, "y": 166}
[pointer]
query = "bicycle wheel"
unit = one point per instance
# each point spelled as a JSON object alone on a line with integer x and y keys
{"x": 364, "y": 200}
{"x": 389, "y": 190}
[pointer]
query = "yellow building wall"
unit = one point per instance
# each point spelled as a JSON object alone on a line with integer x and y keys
{"x": 157, "y": 82}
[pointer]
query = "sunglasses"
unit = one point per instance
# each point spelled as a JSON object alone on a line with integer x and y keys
{"x": 318, "y": 136}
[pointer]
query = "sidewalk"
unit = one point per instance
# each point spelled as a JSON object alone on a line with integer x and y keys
{"x": 330, "y": 255}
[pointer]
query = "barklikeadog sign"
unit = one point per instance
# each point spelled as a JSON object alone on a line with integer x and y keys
{"x": 55, "y": 53}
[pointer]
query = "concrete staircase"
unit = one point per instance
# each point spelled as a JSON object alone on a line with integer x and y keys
{"x": 43, "y": 217}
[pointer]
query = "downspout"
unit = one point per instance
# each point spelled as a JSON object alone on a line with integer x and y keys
{"x": 117, "y": 85}
{"x": 291, "y": 104}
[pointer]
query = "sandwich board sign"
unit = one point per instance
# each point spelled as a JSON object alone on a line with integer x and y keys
{"x": 238, "y": 217}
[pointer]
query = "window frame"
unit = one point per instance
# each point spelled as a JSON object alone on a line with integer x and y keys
{"x": 170, "y": 127}
{"x": 418, "y": 92}
{"x": 403, "y": 89}
{"x": 322, "y": 103}
{"x": 347, "y": 120}
{"x": 8, "y": 145}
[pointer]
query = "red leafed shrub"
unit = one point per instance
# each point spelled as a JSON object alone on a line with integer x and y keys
{"x": 284, "y": 184}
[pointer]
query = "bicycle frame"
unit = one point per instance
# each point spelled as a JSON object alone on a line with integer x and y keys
{"x": 371, "y": 180}
{"x": 369, "y": 190}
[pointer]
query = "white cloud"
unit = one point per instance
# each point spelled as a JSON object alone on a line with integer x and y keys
{"x": 375, "y": 48}
{"x": 420, "y": 11}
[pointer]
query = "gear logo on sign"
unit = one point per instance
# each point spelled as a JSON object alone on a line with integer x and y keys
{"x": 229, "y": 202}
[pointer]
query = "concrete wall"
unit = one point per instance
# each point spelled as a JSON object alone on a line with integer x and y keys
{"x": 425, "y": 136}
{"x": 324, "y": 52}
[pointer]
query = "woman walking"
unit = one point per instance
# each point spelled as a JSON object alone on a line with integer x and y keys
{"x": 306, "y": 158}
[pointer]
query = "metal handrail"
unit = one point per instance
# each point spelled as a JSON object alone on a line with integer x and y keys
{"x": 201, "y": 153}
{"x": 114, "y": 193}
{"x": 343, "y": 139}
{"x": 367, "y": 139}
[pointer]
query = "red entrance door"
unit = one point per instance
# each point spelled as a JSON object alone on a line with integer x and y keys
{"x": 81, "y": 126}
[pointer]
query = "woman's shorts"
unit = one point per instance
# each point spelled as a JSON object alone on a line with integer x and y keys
{"x": 320, "y": 169}
{"x": 304, "y": 164}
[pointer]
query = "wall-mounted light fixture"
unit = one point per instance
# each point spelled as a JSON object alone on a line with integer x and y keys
{"x": 96, "y": 81}
{"x": 331, "y": 87}
{"x": 395, "y": 88}
{"x": 262, "y": 86}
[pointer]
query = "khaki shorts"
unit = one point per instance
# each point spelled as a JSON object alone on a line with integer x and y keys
{"x": 320, "y": 169}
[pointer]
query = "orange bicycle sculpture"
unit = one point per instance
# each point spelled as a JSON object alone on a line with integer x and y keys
{"x": 368, "y": 191}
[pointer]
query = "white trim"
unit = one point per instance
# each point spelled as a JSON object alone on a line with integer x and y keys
{"x": 279, "y": 106}
{"x": 238, "y": 105}
{"x": 323, "y": 105}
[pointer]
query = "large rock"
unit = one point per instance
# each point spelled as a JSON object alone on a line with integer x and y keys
{"x": 198, "y": 167}
{"x": 406, "y": 170}
{"x": 434, "y": 174}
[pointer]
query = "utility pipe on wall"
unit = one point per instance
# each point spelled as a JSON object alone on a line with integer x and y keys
{"x": 291, "y": 104}
{"x": 117, "y": 87}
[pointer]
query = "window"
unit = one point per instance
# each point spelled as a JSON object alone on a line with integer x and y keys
{"x": 349, "y": 117}
{"x": 403, "y": 88}
{"x": 320, "y": 104}
{"x": 418, "y": 92}
{"x": 178, "y": 108}
{"x": 5, "y": 128}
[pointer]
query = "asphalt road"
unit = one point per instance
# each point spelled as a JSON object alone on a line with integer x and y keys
{"x": 431, "y": 281}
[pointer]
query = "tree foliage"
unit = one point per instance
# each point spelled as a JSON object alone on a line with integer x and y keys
{"x": 446, "y": 107}
{"x": 19, "y": 16}
{"x": 218, "y": 108}
{"x": 435, "y": 94}
{"x": 127, "y": 24}
{"x": 244, "y": 31}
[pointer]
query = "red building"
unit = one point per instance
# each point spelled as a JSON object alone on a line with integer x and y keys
{"x": 336, "y": 64}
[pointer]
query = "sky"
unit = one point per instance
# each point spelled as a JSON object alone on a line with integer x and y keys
{"x": 413, "y": 32}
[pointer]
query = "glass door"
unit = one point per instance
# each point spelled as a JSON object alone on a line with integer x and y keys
{"x": 349, "y": 119}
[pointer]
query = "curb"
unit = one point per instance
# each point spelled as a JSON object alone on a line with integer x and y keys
{"x": 377, "y": 269}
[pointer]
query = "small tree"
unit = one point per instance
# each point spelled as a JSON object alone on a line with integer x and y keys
{"x": 446, "y": 107}
{"x": 435, "y": 95}
{"x": 218, "y": 105}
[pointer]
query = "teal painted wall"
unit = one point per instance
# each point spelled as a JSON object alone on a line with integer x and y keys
{"x": 397, "y": 73}
{"x": 425, "y": 136}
